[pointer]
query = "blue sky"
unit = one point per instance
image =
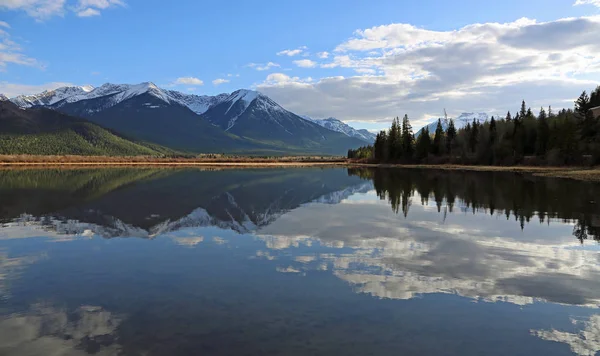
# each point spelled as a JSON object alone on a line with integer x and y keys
{"x": 367, "y": 77}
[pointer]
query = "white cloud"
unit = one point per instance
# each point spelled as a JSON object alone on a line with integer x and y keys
{"x": 305, "y": 63}
{"x": 220, "y": 81}
{"x": 292, "y": 52}
{"x": 587, "y": 2}
{"x": 88, "y": 12}
{"x": 189, "y": 81}
{"x": 281, "y": 79}
{"x": 38, "y": 9}
{"x": 44, "y": 9}
{"x": 87, "y": 8}
{"x": 4, "y": 24}
{"x": 15, "y": 89}
{"x": 262, "y": 67}
{"x": 11, "y": 52}
{"x": 323, "y": 55}
{"x": 486, "y": 67}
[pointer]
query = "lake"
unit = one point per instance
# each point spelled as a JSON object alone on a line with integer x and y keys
{"x": 307, "y": 261}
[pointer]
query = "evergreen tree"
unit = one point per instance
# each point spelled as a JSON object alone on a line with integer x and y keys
{"x": 543, "y": 133}
{"x": 508, "y": 117}
{"x": 423, "y": 144}
{"x": 529, "y": 114}
{"x": 474, "y": 136}
{"x": 582, "y": 105}
{"x": 523, "y": 111}
{"x": 380, "y": 147}
{"x": 394, "y": 140}
{"x": 438, "y": 138}
{"x": 493, "y": 132}
{"x": 450, "y": 136}
{"x": 408, "y": 138}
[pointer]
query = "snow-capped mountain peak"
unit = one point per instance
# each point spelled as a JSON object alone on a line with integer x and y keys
{"x": 245, "y": 96}
{"x": 459, "y": 122}
{"x": 3, "y": 97}
{"x": 50, "y": 97}
{"x": 334, "y": 124}
{"x": 197, "y": 103}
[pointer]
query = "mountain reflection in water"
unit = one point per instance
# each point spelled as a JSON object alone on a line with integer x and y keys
{"x": 298, "y": 261}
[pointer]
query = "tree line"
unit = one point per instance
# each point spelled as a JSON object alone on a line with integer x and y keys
{"x": 569, "y": 136}
{"x": 524, "y": 199}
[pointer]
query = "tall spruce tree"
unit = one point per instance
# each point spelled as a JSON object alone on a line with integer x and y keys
{"x": 450, "y": 136}
{"x": 423, "y": 144}
{"x": 408, "y": 139}
{"x": 394, "y": 140}
{"x": 438, "y": 139}
{"x": 582, "y": 105}
{"x": 523, "y": 111}
{"x": 543, "y": 133}
{"x": 493, "y": 131}
{"x": 474, "y": 136}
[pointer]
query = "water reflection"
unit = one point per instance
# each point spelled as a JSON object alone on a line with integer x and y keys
{"x": 525, "y": 197}
{"x": 47, "y": 330}
{"x": 298, "y": 261}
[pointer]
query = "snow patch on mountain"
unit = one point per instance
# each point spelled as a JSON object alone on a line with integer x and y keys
{"x": 3, "y": 97}
{"x": 334, "y": 124}
{"x": 460, "y": 122}
{"x": 50, "y": 97}
{"x": 197, "y": 103}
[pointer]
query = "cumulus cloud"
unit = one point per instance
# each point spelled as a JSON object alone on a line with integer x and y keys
{"x": 87, "y": 8}
{"x": 38, "y": 9}
{"x": 88, "y": 12}
{"x": 44, "y": 9}
{"x": 281, "y": 79}
{"x": 189, "y": 81}
{"x": 487, "y": 67}
{"x": 4, "y": 24}
{"x": 587, "y": 2}
{"x": 305, "y": 63}
{"x": 261, "y": 67}
{"x": 292, "y": 52}
{"x": 323, "y": 55}
{"x": 220, "y": 81}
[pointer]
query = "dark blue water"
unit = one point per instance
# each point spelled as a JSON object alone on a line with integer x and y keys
{"x": 297, "y": 262}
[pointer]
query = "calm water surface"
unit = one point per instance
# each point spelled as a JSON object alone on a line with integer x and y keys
{"x": 297, "y": 262}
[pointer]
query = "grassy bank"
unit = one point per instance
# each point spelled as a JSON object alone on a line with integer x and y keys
{"x": 209, "y": 160}
{"x": 31, "y": 161}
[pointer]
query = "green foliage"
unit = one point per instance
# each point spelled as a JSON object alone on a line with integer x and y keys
{"x": 80, "y": 139}
{"x": 567, "y": 137}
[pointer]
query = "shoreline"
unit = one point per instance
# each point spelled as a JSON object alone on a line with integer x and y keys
{"x": 73, "y": 162}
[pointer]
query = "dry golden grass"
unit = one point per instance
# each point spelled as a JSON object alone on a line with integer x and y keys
{"x": 45, "y": 161}
{"x": 221, "y": 162}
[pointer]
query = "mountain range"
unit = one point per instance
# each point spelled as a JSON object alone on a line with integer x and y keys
{"x": 339, "y": 126}
{"x": 244, "y": 121}
{"x": 45, "y": 131}
{"x": 459, "y": 122}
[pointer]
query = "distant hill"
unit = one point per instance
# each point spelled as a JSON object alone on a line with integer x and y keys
{"x": 44, "y": 131}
